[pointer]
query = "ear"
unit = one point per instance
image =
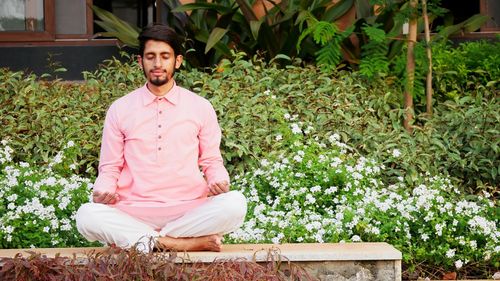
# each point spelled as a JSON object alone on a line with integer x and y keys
{"x": 139, "y": 61}
{"x": 178, "y": 61}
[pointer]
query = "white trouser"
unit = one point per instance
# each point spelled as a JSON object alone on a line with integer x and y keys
{"x": 218, "y": 215}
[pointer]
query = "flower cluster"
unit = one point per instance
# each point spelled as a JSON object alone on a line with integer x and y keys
{"x": 38, "y": 204}
{"x": 324, "y": 192}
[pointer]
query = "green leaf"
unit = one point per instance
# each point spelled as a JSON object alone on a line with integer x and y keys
{"x": 255, "y": 28}
{"x": 247, "y": 10}
{"x": 116, "y": 27}
{"x": 202, "y": 6}
{"x": 337, "y": 10}
{"x": 214, "y": 38}
{"x": 475, "y": 22}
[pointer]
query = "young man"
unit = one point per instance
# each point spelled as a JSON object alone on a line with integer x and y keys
{"x": 150, "y": 191}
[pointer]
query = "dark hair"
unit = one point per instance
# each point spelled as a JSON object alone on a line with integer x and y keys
{"x": 160, "y": 32}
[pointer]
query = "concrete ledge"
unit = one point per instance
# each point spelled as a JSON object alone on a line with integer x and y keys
{"x": 302, "y": 252}
{"x": 253, "y": 252}
{"x": 328, "y": 261}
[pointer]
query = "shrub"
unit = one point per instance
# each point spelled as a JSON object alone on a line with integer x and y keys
{"x": 38, "y": 203}
{"x": 464, "y": 69}
{"x": 318, "y": 191}
{"x": 250, "y": 97}
{"x": 39, "y": 117}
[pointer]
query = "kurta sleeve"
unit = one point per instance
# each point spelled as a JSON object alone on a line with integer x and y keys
{"x": 111, "y": 158}
{"x": 210, "y": 158}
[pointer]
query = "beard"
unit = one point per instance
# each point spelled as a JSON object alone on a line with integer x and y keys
{"x": 157, "y": 81}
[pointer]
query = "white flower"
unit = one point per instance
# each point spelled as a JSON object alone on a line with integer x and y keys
{"x": 396, "y": 153}
{"x": 12, "y": 198}
{"x": 425, "y": 237}
{"x": 450, "y": 253}
{"x": 310, "y": 199}
{"x": 355, "y": 238}
{"x": 333, "y": 138}
{"x": 70, "y": 144}
{"x": 58, "y": 158}
{"x": 277, "y": 239}
{"x": 296, "y": 129}
{"x": 9, "y": 229}
{"x": 316, "y": 188}
{"x": 308, "y": 130}
{"x": 331, "y": 189}
{"x": 297, "y": 158}
{"x": 279, "y": 137}
{"x": 72, "y": 167}
{"x": 287, "y": 116}
{"x": 458, "y": 264}
{"x": 439, "y": 229}
{"x": 486, "y": 194}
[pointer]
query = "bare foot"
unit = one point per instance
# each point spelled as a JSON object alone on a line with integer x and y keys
{"x": 211, "y": 243}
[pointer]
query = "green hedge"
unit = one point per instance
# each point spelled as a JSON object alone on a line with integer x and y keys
{"x": 468, "y": 67}
{"x": 252, "y": 98}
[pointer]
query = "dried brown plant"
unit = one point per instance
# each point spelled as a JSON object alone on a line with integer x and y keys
{"x": 119, "y": 264}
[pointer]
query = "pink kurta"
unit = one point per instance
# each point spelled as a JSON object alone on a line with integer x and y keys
{"x": 152, "y": 148}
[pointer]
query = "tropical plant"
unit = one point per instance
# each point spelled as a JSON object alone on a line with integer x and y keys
{"x": 115, "y": 27}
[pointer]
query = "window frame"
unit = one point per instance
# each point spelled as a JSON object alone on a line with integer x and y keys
{"x": 49, "y": 27}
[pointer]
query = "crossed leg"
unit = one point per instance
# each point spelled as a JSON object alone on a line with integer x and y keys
{"x": 198, "y": 230}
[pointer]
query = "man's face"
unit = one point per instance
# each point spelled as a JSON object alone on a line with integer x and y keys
{"x": 159, "y": 62}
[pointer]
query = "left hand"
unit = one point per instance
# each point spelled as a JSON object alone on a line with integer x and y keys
{"x": 218, "y": 188}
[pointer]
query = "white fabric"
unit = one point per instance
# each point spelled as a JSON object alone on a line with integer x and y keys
{"x": 219, "y": 215}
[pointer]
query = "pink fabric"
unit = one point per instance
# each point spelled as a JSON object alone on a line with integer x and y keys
{"x": 152, "y": 148}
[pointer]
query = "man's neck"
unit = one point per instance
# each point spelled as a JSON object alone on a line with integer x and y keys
{"x": 160, "y": 90}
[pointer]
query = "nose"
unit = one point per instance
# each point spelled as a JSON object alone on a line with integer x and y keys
{"x": 157, "y": 62}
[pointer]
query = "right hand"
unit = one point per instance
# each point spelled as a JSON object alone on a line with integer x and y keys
{"x": 104, "y": 197}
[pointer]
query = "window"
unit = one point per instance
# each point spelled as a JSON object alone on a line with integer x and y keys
{"x": 460, "y": 10}
{"x": 27, "y": 20}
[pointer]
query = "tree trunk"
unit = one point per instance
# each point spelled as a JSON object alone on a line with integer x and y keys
{"x": 428, "y": 81}
{"x": 410, "y": 67}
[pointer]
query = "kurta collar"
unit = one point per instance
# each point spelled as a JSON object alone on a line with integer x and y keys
{"x": 172, "y": 96}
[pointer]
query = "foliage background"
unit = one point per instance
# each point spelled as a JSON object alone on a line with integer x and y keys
{"x": 461, "y": 140}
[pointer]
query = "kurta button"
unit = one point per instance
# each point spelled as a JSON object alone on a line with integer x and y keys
{"x": 160, "y": 111}
{"x": 159, "y": 126}
{"x": 159, "y": 137}
{"x": 159, "y": 148}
